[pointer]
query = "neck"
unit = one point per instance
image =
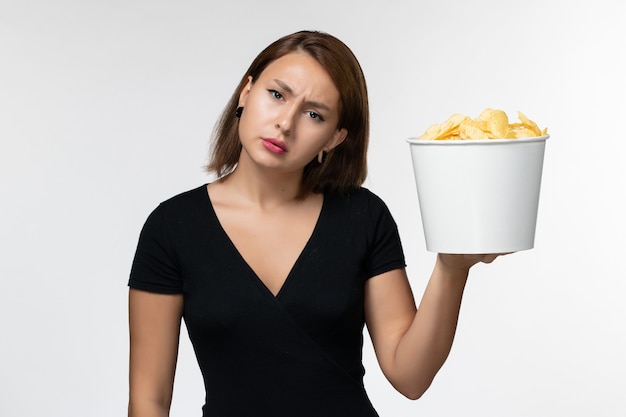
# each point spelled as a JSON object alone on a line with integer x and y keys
{"x": 264, "y": 187}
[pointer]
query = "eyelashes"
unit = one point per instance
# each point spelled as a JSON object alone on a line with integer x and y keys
{"x": 315, "y": 116}
{"x": 277, "y": 95}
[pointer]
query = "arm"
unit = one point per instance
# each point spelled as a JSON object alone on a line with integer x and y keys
{"x": 154, "y": 323}
{"x": 412, "y": 344}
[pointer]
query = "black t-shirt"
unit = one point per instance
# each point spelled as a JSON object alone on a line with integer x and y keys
{"x": 294, "y": 354}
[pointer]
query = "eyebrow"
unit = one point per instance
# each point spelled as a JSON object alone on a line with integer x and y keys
{"x": 288, "y": 89}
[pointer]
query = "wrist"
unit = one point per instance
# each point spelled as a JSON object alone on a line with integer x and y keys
{"x": 453, "y": 266}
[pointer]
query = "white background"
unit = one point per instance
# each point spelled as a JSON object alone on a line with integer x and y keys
{"x": 106, "y": 108}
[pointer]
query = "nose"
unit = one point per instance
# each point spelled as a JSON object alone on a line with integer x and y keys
{"x": 286, "y": 120}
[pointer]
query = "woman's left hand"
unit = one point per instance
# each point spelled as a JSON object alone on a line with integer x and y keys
{"x": 462, "y": 263}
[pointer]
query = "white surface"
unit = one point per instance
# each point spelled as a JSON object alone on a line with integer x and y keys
{"x": 106, "y": 108}
{"x": 478, "y": 196}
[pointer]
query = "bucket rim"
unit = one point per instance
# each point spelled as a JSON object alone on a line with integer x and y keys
{"x": 470, "y": 142}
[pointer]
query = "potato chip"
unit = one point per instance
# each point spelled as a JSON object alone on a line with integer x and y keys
{"x": 529, "y": 124}
{"x": 473, "y": 129}
{"x": 490, "y": 124}
{"x": 519, "y": 130}
{"x": 497, "y": 122}
{"x": 446, "y": 129}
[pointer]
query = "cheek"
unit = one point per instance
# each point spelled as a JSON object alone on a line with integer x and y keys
{"x": 324, "y": 133}
{"x": 314, "y": 139}
{"x": 250, "y": 119}
{"x": 258, "y": 114}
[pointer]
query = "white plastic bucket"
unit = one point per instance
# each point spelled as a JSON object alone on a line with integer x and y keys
{"x": 478, "y": 196}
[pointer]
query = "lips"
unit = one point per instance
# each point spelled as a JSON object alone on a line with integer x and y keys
{"x": 275, "y": 145}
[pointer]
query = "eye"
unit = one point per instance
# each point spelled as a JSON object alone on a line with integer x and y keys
{"x": 275, "y": 94}
{"x": 315, "y": 116}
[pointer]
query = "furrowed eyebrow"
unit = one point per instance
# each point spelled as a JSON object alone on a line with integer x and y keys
{"x": 284, "y": 86}
{"x": 288, "y": 89}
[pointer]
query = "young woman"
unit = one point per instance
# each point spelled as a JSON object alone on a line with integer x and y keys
{"x": 277, "y": 266}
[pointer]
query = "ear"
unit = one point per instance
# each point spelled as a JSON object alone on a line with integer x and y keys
{"x": 338, "y": 137}
{"x": 243, "y": 95}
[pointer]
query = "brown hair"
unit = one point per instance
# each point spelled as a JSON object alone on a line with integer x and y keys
{"x": 346, "y": 165}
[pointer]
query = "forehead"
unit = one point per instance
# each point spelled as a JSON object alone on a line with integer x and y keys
{"x": 302, "y": 73}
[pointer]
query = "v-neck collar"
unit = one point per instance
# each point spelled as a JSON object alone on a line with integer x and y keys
{"x": 290, "y": 275}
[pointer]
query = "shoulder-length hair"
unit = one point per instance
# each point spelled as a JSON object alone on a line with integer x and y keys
{"x": 346, "y": 165}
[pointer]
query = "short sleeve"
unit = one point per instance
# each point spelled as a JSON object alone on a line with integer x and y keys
{"x": 155, "y": 267}
{"x": 386, "y": 251}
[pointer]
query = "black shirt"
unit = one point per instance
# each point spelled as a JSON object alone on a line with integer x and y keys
{"x": 294, "y": 354}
